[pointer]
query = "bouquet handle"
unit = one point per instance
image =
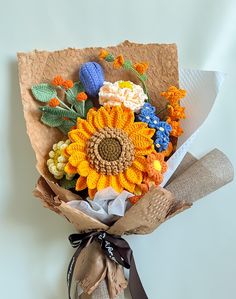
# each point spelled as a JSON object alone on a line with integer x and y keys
{"x": 101, "y": 292}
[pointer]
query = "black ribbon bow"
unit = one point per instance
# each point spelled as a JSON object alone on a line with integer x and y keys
{"x": 117, "y": 249}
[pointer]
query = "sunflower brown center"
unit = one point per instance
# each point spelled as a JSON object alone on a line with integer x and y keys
{"x": 110, "y": 151}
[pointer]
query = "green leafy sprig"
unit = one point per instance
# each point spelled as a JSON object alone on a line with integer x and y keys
{"x": 65, "y": 114}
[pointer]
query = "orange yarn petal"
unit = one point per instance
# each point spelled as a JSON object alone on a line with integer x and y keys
{"x": 74, "y": 147}
{"x": 115, "y": 183}
{"x": 84, "y": 168}
{"x": 125, "y": 183}
{"x": 81, "y": 184}
{"x": 140, "y": 163}
{"x": 91, "y": 118}
{"x": 135, "y": 128}
{"x": 91, "y": 193}
{"x": 86, "y": 127}
{"x": 128, "y": 118}
{"x": 77, "y": 136}
{"x": 103, "y": 182}
{"x": 140, "y": 141}
{"x": 76, "y": 158}
{"x": 134, "y": 175}
{"x": 92, "y": 179}
{"x": 70, "y": 169}
{"x": 103, "y": 118}
{"x": 144, "y": 151}
{"x": 116, "y": 117}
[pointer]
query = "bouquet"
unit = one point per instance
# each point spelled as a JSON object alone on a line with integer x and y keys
{"x": 110, "y": 128}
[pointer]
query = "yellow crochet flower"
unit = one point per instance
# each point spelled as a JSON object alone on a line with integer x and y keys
{"x": 109, "y": 149}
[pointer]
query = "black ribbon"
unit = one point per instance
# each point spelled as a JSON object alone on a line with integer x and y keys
{"x": 117, "y": 249}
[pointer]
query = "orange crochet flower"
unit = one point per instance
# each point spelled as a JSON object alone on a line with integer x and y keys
{"x": 57, "y": 81}
{"x": 54, "y": 102}
{"x": 118, "y": 62}
{"x": 174, "y": 95}
{"x": 141, "y": 67}
{"x": 155, "y": 167}
{"x": 68, "y": 84}
{"x": 109, "y": 149}
{"x": 176, "y": 112}
{"x": 103, "y": 54}
{"x": 176, "y": 129}
{"x": 82, "y": 96}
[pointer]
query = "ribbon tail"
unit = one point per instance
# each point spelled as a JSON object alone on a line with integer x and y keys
{"x": 135, "y": 285}
{"x": 71, "y": 269}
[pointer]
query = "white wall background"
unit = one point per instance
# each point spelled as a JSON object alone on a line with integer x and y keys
{"x": 192, "y": 256}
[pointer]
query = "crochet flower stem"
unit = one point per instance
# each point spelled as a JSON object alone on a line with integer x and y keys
{"x": 64, "y": 105}
{"x": 141, "y": 79}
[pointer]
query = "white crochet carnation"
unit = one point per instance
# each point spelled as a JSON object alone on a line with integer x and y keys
{"x": 126, "y": 92}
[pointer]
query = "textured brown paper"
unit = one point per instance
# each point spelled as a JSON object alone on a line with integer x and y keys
{"x": 192, "y": 180}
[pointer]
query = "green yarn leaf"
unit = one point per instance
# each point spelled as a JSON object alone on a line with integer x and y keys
{"x": 51, "y": 120}
{"x": 88, "y": 105}
{"x": 72, "y": 93}
{"x": 67, "y": 184}
{"x": 44, "y": 92}
{"x": 127, "y": 65}
{"x": 66, "y": 126}
{"x": 110, "y": 58}
{"x": 58, "y": 111}
{"x": 143, "y": 77}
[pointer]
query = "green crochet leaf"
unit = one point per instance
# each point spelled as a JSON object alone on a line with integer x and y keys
{"x": 58, "y": 111}
{"x": 143, "y": 77}
{"x": 44, "y": 92}
{"x": 66, "y": 184}
{"x": 72, "y": 93}
{"x": 88, "y": 105}
{"x": 127, "y": 65}
{"x": 51, "y": 120}
{"x": 66, "y": 126}
{"x": 110, "y": 58}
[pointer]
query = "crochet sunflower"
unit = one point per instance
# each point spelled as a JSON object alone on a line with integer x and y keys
{"x": 109, "y": 149}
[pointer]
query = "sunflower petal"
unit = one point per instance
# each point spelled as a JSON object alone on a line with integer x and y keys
{"x": 116, "y": 116}
{"x": 91, "y": 193}
{"x": 84, "y": 168}
{"x": 86, "y": 127}
{"x": 144, "y": 151}
{"x": 70, "y": 169}
{"x": 74, "y": 147}
{"x": 128, "y": 118}
{"x": 140, "y": 141}
{"x": 77, "y": 136}
{"x": 103, "y": 118}
{"x": 125, "y": 183}
{"x": 76, "y": 158}
{"x": 135, "y": 128}
{"x": 91, "y": 117}
{"x": 92, "y": 179}
{"x": 134, "y": 175}
{"x": 81, "y": 184}
{"x": 103, "y": 182}
{"x": 147, "y": 132}
{"x": 140, "y": 163}
{"x": 115, "y": 183}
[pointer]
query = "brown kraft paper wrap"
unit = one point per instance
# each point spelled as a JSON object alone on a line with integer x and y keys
{"x": 105, "y": 279}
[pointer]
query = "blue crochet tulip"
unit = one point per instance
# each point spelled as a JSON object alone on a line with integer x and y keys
{"x": 92, "y": 77}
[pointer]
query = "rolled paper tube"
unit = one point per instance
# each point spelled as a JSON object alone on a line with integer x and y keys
{"x": 201, "y": 177}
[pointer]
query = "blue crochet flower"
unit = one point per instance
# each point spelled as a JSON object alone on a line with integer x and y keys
{"x": 152, "y": 120}
{"x": 92, "y": 77}
{"x": 161, "y": 141}
{"x": 147, "y": 109}
{"x": 164, "y": 127}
